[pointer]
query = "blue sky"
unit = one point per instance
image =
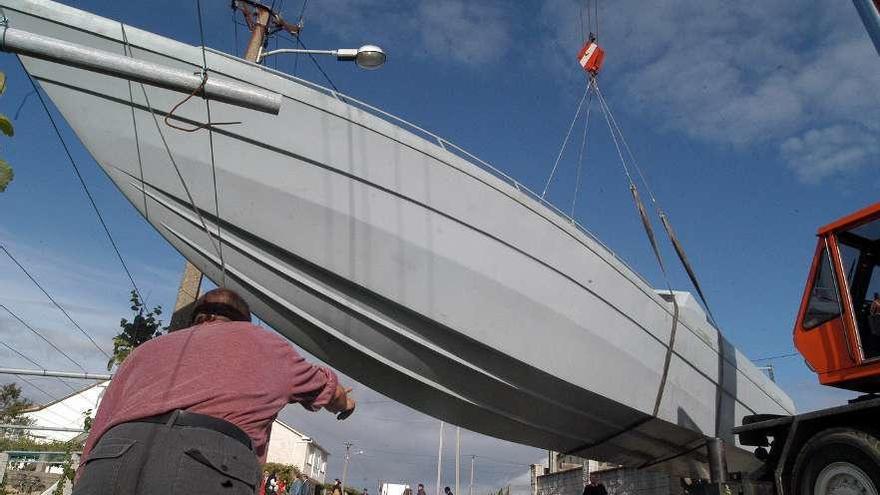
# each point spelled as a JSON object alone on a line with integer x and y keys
{"x": 755, "y": 121}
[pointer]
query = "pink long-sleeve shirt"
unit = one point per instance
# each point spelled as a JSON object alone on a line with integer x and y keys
{"x": 234, "y": 371}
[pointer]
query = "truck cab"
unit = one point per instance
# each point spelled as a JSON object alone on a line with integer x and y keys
{"x": 838, "y": 326}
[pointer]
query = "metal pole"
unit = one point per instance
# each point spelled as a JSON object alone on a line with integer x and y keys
{"x": 40, "y": 428}
{"x": 471, "y": 486}
{"x": 439, "y": 458}
{"x": 345, "y": 468}
{"x": 59, "y": 374}
{"x": 117, "y": 65}
{"x": 870, "y": 14}
{"x": 457, "y": 458}
{"x": 717, "y": 460}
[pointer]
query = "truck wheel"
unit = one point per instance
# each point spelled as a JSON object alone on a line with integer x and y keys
{"x": 839, "y": 461}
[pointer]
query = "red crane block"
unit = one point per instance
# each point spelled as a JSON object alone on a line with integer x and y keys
{"x": 591, "y": 57}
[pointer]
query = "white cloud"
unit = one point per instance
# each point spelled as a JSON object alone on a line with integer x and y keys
{"x": 468, "y": 32}
{"x": 801, "y": 80}
{"x": 819, "y": 153}
{"x": 457, "y": 31}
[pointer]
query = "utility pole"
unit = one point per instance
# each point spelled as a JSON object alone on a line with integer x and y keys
{"x": 439, "y": 458}
{"x": 345, "y": 467}
{"x": 262, "y": 21}
{"x": 471, "y": 486}
{"x": 457, "y": 459}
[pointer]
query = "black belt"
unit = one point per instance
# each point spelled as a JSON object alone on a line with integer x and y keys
{"x": 195, "y": 420}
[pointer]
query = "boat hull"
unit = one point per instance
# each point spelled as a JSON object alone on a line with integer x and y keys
{"x": 397, "y": 261}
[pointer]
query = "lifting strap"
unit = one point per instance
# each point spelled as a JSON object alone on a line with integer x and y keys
{"x": 679, "y": 250}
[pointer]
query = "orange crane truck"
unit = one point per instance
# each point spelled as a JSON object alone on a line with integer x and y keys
{"x": 835, "y": 450}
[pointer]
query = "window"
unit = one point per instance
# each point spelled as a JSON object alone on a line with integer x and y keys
{"x": 860, "y": 255}
{"x": 824, "y": 304}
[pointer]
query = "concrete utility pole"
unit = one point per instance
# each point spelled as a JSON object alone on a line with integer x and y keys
{"x": 471, "y": 486}
{"x": 187, "y": 293}
{"x": 259, "y": 19}
{"x": 345, "y": 467}
{"x": 457, "y": 459}
{"x": 439, "y": 458}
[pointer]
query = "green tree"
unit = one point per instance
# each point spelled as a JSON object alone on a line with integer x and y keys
{"x": 87, "y": 420}
{"x": 12, "y": 408}
{"x": 6, "y": 174}
{"x": 144, "y": 326}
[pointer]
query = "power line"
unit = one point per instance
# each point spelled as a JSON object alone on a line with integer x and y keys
{"x": 2, "y": 247}
{"x": 38, "y": 365}
{"x": 778, "y": 356}
{"x": 315, "y": 61}
{"x": 38, "y": 334}
{"x": 84, "y": 186}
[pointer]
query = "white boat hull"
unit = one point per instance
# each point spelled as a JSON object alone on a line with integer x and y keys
{"x": 402, "y": 264}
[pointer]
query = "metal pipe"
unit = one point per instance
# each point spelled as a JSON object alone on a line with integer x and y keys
{"x": 869, "y": 10}
{"x": 40, "y": 428}
{"x": 84, "y": 57}
{"x": 59, "y": 374}
{"x": 438, "y": 491}
{"x": 717, "y": 460}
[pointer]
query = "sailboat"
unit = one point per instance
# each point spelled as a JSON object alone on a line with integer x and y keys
{"x": 386, "y": 250}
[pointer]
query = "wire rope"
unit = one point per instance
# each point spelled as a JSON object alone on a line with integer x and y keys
{"x": 565, "y": 142}
{"x": 219, "y": 221}
{"x": 664, "y": 219}
{"x": 577, "y": 183}
{"x": 54, "y": 302}
{"x": 82, "y": 182}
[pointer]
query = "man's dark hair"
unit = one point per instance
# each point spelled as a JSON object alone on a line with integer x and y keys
{"x": 221, "y": 302}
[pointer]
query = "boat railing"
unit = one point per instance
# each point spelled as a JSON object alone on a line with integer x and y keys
{"x": 452, "y": 148}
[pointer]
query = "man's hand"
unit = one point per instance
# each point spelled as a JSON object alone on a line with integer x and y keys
{"x": 342, "y": 402}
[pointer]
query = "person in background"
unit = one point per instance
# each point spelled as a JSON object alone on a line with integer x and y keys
{"x": 262, "y": 490}
{"x": 874, "y": 315}
{"x": 186, "y": 405}
{"x": 448, "y": 491}
{"x": 337, "y": 488}
{"x": 282, "y": 488}
{"x": 594, "y": 487}
{"x": 421, "y": 490}
{"x": 296, "y": 487}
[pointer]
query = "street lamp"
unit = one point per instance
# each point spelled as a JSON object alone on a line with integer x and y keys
{"x": 369, "y": 57}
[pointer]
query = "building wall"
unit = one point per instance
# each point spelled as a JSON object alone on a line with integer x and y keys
{"x": 623, "y": 481}
{"x": 286, "y": 446}
{"x": 568, "y": 482}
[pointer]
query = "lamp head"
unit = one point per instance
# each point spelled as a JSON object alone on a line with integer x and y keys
{"x": 370, "y": 57}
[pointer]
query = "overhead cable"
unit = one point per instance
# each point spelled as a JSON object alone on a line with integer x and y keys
{"x": 38, "y": 365}
{"x": 54, "y": 302}
{"x": 82, "y": 183}
{"x": 38, "y": 334}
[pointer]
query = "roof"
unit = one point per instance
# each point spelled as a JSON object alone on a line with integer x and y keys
{"x": 851, "y": 219}
{"x": 72, "y": 394}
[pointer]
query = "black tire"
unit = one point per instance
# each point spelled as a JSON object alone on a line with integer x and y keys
{"x": 837, "y": 457}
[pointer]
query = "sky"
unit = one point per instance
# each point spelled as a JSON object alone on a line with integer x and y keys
{"x": 755, "y": 122}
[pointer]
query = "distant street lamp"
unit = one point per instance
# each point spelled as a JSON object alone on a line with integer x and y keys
{"x": 368, "y": 57}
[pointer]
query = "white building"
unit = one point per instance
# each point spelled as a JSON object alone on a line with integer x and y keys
{"x": 286, "y": 445}
{"x": 289, "y": 446}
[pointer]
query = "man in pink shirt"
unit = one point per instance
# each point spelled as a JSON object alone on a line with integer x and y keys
{"x": 191, "y": 412}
